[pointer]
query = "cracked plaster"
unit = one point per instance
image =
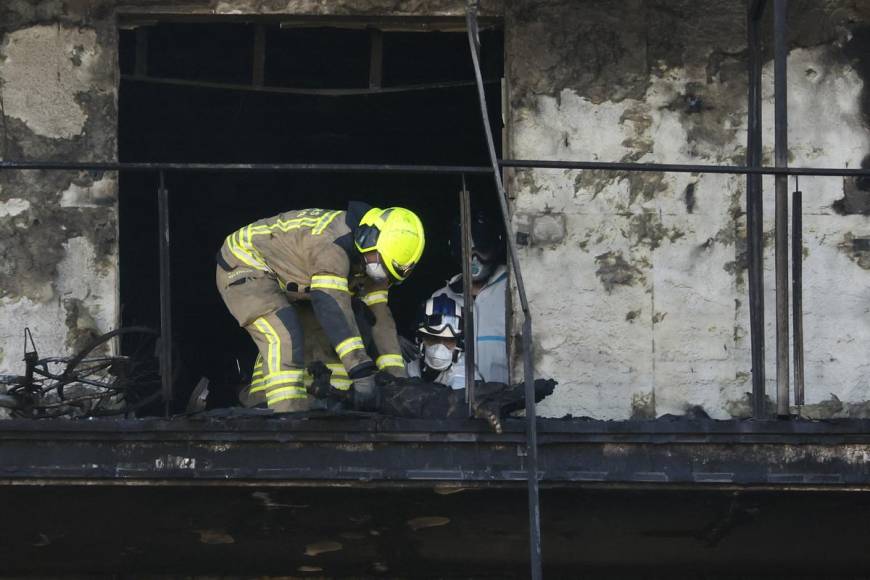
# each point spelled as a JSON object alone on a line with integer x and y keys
{"x": 650, "y": 306}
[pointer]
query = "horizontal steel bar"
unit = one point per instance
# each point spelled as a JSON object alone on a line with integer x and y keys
{"x": 352, "y": 425}
{"x": 244, "y": 167}
{"x": 684, "y": 168}
{"x": 300, "y": 91}
{"x": 429, "y": 169}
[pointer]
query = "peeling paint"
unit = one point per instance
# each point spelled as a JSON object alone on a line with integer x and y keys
{"x": 13, "y": 207}
{"x": 674, "y": 245}
{"x": 89, "y": 193}
{"x": 38, "y": 91}
{"x": 643, "y": 406}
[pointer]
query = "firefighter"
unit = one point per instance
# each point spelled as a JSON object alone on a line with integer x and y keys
{"x": 439, "y": 340}
{"x": 489, "y": 291}
{"x": 269, "y": 272}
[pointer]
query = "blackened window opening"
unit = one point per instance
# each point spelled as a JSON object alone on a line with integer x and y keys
{"x": 162, "y": 122}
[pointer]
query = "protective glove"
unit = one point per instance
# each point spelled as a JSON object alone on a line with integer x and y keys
{"x": 365, "y": 393}
{"x": 410, "y": 351}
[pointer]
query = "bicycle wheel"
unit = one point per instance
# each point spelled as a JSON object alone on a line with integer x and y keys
{"x": 113, "y": 384}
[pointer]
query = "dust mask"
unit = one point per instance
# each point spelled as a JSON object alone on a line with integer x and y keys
{"x": 438, "y": 357}
{"x": 376, "y": 271}
{"x": 479, "y": 270}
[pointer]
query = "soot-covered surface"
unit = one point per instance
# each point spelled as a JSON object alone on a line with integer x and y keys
{"x": 429, "y": 532}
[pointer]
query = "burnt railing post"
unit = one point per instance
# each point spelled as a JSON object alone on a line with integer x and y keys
{"x": 780, "y": 60}
{"x": 165, "y": 296}
{"x": 467, "y": 298}
{"x": 797, "y": 283}
{"x": 755, "y": 213}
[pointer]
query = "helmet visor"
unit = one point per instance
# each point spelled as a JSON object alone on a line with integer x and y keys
{"x": 439, "y": 324}
{"x": 367, "y": 238}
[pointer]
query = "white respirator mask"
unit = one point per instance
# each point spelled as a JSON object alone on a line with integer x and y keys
{"x": 376, "y": 271}
{"x": 438, "y": 357}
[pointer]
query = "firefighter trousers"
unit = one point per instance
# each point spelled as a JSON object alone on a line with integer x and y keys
{"x": 287, "y": 334}
{"x": 258, "y": 304}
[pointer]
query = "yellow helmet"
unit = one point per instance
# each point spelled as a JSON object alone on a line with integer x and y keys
{"x": 397, "y": 235}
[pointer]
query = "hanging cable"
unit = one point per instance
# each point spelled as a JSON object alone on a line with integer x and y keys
{"x": 528, "y": 371}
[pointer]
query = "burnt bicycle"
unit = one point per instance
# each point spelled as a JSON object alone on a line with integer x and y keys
{"x": 117, "y": 373}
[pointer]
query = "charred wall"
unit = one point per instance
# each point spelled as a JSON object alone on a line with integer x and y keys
{"x": 58, "y": 230}
{"x": 639, "y": 295}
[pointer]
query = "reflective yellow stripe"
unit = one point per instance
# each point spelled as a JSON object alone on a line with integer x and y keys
{"x": 324, "y": 223}
{"x": 294, "y": 375}
{"x": 283, "y": 394}
{"x": 294, "y": 224}
{"x": 377, "y": 297}
{"x": 337, "y": 369}
{"x": 275, "y": 384}
{"x": 390, "y": 360}
{"x": 347, "y": 346}
{"x": 273, "y": 359}
{"x": 244, "y": 244}
{"x": 240, "y": 242}
{"x": 342, "y": 384}
{"x": 258, "y": 367}
{"x": 329, "y": 282}
{"x": 244, "y": 256}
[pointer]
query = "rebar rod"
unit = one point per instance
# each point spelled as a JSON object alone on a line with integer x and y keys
{"x": 165, "y": 296}
{"x": 755, "y": 215}
{"x": 797, "y": 284}
{"x": 468, "y": 299}
{"x": 780, "y": 34}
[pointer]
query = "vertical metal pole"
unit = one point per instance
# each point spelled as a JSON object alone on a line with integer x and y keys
{"x": 140, "y": 67}
{"x": 376, "y": 58}
{"x": 468, "y": 299}
{"x": 165, "y": 296}
{"x": 780, "y": 34}
{"x": 797, "y": 293}
{"x": 258, "y": 74}
{"x": 536, "y": 569}
{"x": 755, "y": 214}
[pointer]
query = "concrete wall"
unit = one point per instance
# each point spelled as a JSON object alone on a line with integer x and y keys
{"x": 58, "y": 230}
{"x": 638, "y": 281}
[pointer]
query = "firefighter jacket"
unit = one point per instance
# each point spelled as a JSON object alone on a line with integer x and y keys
{"x": 311, "y": 255}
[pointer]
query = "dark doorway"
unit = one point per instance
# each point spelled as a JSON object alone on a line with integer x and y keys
{"x": 217, "y": 118}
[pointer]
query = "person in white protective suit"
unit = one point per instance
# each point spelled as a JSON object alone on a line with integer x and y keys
{"x": 439, "y": 344}
{"x": 489, "y": 291}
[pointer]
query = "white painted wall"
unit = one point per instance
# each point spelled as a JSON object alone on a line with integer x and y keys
{"x": 678, "y": 334}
